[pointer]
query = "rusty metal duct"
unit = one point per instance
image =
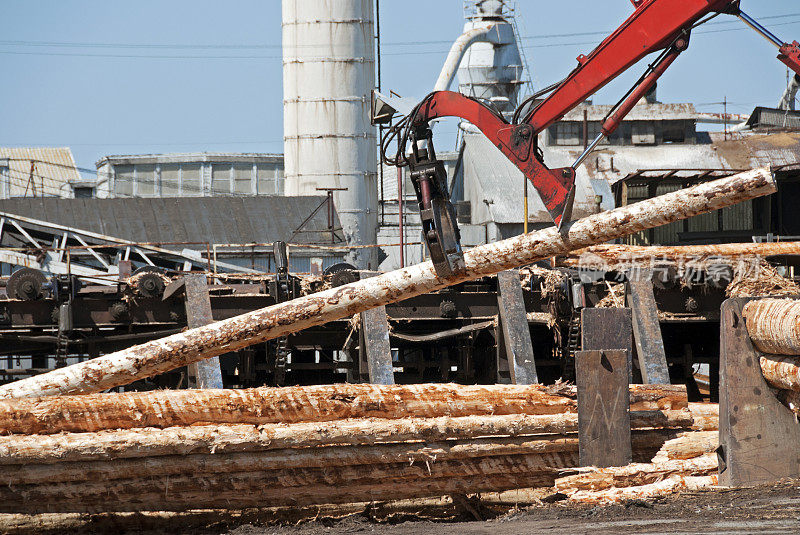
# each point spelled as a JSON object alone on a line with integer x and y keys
{"x": 328, "y": 72}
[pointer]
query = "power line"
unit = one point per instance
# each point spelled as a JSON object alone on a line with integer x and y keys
{"x": 275, "y": 57}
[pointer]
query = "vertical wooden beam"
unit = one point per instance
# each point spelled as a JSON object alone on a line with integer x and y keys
{"x": 647, "y": 332}
{"x": 758, "y": 435}
{"x": 375, "y": 347}
{"x": 515, "y": 331}
{"x": 205, "y": 373}
{"x": 604, "y": 424}
{"x": 608, "y": 328}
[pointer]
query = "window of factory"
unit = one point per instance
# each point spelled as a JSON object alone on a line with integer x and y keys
{"x": 191, "y": 184}
{"x": 243, "y": 178}
{"x": 221, "y": 178}
{"x": 83, "y": 192}
{"x": 280, "y": 189}
{"x": 643, "y": 133}
{"x": 145, "y": 180}
{"x": 566, "y": 133}
{"x": 267, "y": 179}
{"x": 674, "y": 132}
{"x": 123, "y": 180}
{"x": 170, "y": 179}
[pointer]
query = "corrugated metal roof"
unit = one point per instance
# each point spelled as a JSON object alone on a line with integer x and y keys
{"x": 640, "y": 112}
{"x": 744, "y": 151}
{"x": 260, "y": 219}
{"x": 494, "y": 186}
{"x": 191, "y": 157}
{"x": 54, "y": 170}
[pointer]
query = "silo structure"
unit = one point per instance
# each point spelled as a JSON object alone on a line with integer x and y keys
{"x": 328, "y": 73}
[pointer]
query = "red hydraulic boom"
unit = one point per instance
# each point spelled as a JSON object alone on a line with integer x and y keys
{"x": 662, "y": 26}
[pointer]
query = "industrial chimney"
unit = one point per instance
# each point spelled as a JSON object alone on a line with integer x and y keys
{"x": 328, "y": 73}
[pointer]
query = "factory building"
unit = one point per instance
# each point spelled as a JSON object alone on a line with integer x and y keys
{"x": 40, "y": 172}
{"x": 190, "y": 175}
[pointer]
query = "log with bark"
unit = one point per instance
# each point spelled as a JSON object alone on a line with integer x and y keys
{"x": 218, "y": 439}
{"x": 118, "y": 485}
{"x": 774, "y": 325}
{"x": 241, "y": 491}
{"x": 169, "y": 408}
{"x": 152, "y": 358}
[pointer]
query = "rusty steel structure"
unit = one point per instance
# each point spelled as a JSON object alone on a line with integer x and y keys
{"x": 282, "y": 319}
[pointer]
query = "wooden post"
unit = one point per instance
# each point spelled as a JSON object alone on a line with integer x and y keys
{"x": 758, "y": 435}
{"x": 604, "y": 428}
{"x": 647, "y": 332}
{"x": 516, "y": 334}
{"x": 374, "y": 345}
{"x": 281, "y": 319}
{"x": 205, "y": 373}
{"x": 608, "y": 328}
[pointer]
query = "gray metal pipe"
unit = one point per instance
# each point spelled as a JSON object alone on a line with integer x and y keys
{"x": 145, "y": 360}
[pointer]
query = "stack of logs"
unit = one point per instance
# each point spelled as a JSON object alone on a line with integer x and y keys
{"x": 774, "y": 329}
{"x": 294, "y": 446}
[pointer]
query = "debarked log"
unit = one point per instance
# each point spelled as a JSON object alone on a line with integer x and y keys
{"x": 781, "y": 371}
{"x": 220, "y": 439}
{"x": 774, "y": 325}
{"x": 178, "y": 350}
{"x": 629, "y": 255}
{"x": 705, "y": 416}
{"x": 635, "y": 474}
{"x": 235, "y": 492}
{"x": 688, "y": 446}
{"x": 670, "y": 485}
{"x": 169, "y": 408}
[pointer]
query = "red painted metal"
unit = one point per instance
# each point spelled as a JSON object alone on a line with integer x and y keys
{"x": 790, "y": 55}
{"x": 654, "y": 25}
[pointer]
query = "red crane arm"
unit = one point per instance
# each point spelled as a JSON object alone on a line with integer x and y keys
{"x": 655, "y": 25}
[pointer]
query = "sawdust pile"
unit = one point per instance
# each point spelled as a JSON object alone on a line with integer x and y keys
{"x": 615, "y": 297}
{"x": 763, "y": 281}
{"x": 550, "y": 280}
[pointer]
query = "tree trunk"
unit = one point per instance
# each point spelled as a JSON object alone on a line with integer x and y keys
{"x": 219, "y": 439}
{"x": 653, "y": 490}
{"x": 627, "y": 254}
{"x": 152, "y": 358}
{"x": 705, "y": 416}
{"x": 258, "y": 406}
{"x": 634, "y": 475}
{"x": 688, "y": 446}
{"x": 295, "y": 487}
{"x": 774, "y": 325}
{"x": 782, "y": 372}
{"x": 540, "y": 455}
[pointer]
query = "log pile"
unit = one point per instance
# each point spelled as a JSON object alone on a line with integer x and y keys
{"x": 688, "y": 462}
{"x": 774, "y": 329}
{"x": 297, "y": 446}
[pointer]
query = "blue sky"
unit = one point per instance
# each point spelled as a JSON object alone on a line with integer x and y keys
{"x": 206, "y": 76}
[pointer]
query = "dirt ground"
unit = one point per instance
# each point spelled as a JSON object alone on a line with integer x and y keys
{"x": 769, "y": 509}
